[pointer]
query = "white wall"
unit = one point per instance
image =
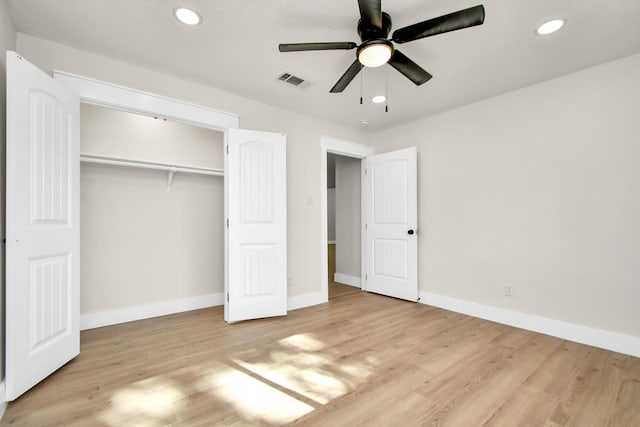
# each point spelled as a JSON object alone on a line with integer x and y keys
{"x": 331, "y": 215}
{"x": 348, "y": 221}
{"x": 303, "y": 141}
{"x": 7, "y": 42}
{"x": 539, "y": 188}
{"x": 142, "y": 244}
{"x": 331, "y": 197}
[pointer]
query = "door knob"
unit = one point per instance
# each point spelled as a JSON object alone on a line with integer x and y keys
{"x": 410, "y": 231}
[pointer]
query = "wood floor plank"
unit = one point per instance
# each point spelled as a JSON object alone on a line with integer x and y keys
{"x": 561, "y": 367}
{"x": 362, "y": 406}
{"x": 457, "y": 377}
{"x": 590, "y": 398}
{"x": 361, "y": 359}
{"x": 478, "y": 400}
{"x": 525, "y": 407}
{"x": 626, "y": 411}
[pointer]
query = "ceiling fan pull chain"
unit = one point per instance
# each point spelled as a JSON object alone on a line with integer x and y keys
{"x": 386, "y": 89}
{"x": 361, "y": 82}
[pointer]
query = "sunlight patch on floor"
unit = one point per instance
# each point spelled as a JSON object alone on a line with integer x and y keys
{"x": 321, "y": 387}
{"x": 276, "y": 386}
{"x": 356, "y": 370}
{"x": 150, "y": 398}
{"x": 255, "y": 398}
{"x": 304, "y": 342}
{"x": 300, "y": 359}
{"x": 307, "y": 368}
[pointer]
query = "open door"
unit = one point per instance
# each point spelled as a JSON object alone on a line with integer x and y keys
{"x": 42, "y": 230}
{"x": 256, "y": 234}
{"x": 391, "y": 203}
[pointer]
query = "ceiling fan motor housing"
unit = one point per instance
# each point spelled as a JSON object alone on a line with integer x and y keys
{"x": 367, "y": 31}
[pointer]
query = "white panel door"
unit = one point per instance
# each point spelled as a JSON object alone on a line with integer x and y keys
{"x": 391, "y": 200}
{"x": 43, "y": 236}
{"x": 256, "y": 238}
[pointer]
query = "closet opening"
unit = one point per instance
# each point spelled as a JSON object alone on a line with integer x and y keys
{"x": 152, "y": 216}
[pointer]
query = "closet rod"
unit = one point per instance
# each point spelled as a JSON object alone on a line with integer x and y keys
{"x": 118, "y": 161}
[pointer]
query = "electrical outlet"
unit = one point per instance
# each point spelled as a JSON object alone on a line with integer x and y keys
{"x": 509, "y": 290}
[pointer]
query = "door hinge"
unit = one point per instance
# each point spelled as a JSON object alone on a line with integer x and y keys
{"x": 365, "y": 277}
{"x": 227, "y": 222}
{"x": 365, "y": 171}
{"x": 227, "y": 148}
{"x": 365, "y": 226}
{"x": 227, "y": 296}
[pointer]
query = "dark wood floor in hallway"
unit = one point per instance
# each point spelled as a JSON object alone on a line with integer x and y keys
{"x": 361, "y": 359}
{"x": 338, "y": 290}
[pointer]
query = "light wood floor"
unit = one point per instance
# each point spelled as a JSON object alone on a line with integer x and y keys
{"x": 361, "y": 359}
{"x": 338, "y": 290}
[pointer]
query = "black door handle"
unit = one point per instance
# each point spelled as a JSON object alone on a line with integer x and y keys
{"x": 410, "y": 232}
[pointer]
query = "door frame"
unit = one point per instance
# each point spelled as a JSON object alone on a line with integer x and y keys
{"x": 348, "y": 149}
{"x": 105, "y": 94}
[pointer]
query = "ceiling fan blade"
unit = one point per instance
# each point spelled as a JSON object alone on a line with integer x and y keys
{"x": 454, "y": 21}
{"x": 300, "y": 47}
{"x": 371, "y": 12}
{"x": 410, "y": 69}
{"x": 346, "y": 78}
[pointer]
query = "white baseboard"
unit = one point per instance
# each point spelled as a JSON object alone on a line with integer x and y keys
{"x": 3, "y": 402}
{"x": 139, "y": 312}
{"x": 345, "y": 279}
{"x": 146, "y": 311}
{"x": 608, "y": 340}
{"x": 306, "y": 300}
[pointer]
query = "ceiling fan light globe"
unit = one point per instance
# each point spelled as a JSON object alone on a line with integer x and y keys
{"x": 375, "y": 54}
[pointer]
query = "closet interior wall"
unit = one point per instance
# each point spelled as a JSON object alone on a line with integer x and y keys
{"x": 142, "y": 243}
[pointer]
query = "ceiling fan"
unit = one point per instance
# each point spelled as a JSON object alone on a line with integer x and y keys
{"x": 376, "y": 49}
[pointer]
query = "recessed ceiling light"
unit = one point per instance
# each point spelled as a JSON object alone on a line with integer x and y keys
{"x": 379, "y": 99}
{"x": 550, "y": 27}
{"x": 187, "y": 16}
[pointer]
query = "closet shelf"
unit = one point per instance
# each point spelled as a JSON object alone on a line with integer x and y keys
{"x": 144, "y": 164}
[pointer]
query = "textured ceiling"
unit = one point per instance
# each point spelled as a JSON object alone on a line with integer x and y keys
{"x": 235, "y": 48}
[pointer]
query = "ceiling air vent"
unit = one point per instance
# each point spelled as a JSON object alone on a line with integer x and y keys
{"x": 291, "y": 79}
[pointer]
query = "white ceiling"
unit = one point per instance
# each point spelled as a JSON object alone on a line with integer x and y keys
{"x": 236, "y": 47}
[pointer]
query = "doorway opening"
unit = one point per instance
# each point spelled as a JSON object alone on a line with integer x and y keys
{"x": 349, "y": 154}
{"x": 344, "y": 225}
{"x": 388, "y": 218}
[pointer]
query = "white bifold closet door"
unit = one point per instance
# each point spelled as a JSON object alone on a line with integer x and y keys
{"x": 43, "y": 234}
{"x": 256, "y": 238}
